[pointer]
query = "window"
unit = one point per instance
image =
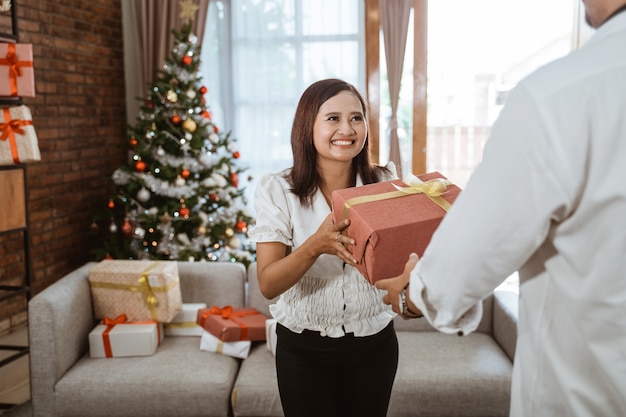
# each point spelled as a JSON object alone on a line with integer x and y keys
{"x": 259, "y": 56}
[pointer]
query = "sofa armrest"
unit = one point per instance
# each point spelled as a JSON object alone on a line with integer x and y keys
{"x": 59, "y": 321}
{"x": 505, "y": 315}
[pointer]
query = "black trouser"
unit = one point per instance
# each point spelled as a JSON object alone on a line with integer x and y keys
{"x": 324, "y": 377}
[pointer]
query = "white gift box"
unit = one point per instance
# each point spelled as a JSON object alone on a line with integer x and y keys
{"x": 125, "y": 339}
{"x": 237, "y": 349}
{"x": 184, "y": 323}
{"x": 270, "y": 335}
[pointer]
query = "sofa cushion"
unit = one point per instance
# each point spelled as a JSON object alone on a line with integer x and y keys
{"x": 450, "y": 376}
{"x": 256, "y": 389}
{"x": 179, "y": 376}
{"x": 217, "y": 283}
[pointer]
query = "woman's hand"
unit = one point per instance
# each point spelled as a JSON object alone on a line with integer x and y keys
{"x": 329, "y": 239}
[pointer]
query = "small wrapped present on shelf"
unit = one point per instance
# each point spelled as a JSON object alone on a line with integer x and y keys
{"x": 390, "y": 220}
{"x": 17, "y": 76}
{"x": 141, "y": 289}
{"x": 118, "y": 337}
{"x": 230, "y": 324}
{"x": 184, "y": 324}
{"x": 270, "y": 335}
{"x": 18, "y": 140}
{"x": 238, "y": 349}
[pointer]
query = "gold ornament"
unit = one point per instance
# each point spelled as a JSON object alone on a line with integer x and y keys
{"x": 188, "y": 10}
{"x": 172, "y": 96}
{"x": 229, "y": 232}
{"x": 189, "y": 125}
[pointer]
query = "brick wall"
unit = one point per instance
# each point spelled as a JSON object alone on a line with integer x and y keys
{"x": 79, "y": 117}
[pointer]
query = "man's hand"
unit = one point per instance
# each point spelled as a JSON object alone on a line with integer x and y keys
{"x": 394, "y": 287}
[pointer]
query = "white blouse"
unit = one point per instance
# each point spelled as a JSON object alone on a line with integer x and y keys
{"x": 330, "y": 298}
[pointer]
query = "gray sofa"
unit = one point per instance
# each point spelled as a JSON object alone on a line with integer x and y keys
{"x": 438, "y": 375}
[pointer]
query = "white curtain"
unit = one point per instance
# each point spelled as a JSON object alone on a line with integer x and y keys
{"x": 394, "y": 18}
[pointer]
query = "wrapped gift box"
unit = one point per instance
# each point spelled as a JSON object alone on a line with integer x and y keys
{"x": 270, "y": 335}
{"x": 390, "y": 220}
{"x": 210, "y": 343}
{"x": 143, "y": 290}
{"x": 116, "y": 338}
{"x": 230, "y": 324}
{"x": 18, "y": 140}
{"x": 184, "y": 324}
{"x": 17, "y": 76}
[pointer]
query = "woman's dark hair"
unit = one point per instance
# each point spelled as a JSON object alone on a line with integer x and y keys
{"x": 304, "y": 177}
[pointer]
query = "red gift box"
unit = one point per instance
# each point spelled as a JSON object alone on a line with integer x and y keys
{"x": 390, "y": 220}
{"x": 18, "y": 139}
{"x": 229, "y": 324}
{"x": 17, "y": 76}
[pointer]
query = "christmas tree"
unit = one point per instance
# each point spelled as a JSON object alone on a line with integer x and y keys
{"x": 178, "y": 198}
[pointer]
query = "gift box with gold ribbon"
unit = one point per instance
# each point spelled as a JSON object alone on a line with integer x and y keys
{"x": 230, "y": 324}
{"x": 184, "y": 324}
{"x": 17, "y": 76}
{"x": 141, "y": 289}
{"x": 390, "y": 220}
{"x": 118, "y": 337}
{"x": 18, "y": 140}
{"x": 238, "y": 349}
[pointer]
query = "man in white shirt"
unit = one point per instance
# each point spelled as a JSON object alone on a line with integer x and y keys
{"x": 548, "y": 200}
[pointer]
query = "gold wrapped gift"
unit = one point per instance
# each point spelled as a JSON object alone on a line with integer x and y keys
{"x": 141, "y": 289}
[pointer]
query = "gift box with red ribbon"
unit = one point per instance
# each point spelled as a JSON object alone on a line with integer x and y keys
{"x": 18, "y": 140}
{"x": 17, "y": 76}
{"x": 118, "y": 337}
{"x": 141, "y": 289}
{"x": 390, "y": 220}
{"x": 229, "y": 324}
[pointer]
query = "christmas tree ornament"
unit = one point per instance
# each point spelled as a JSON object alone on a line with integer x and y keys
{"x": 236, "y": 154}
{"x": 234, "y": 179}
{"x": 139, "y": 233}
{"x": 191, "y": 94}
{"x": 143, "y": 195}
{"x": 185, "y": 173}
{"x": 203, "y": 90}
{"x": 111, "y": 204}
{"x": 229, "y": 232}
{"x": 113, "y": 227}
{"x": 133, "y": 141}
{"x": 189, "y": 125}
{"x": 234, "y": 242}
{"x": 171, "y": 96}
{"x": 176, "y": 119}
{"x": 241, "y": 226}
{"x": 127, "y": 228}
{"x": 184, "y": 212}
{"x": 187, "y": 60}
{"x": 140, "y": 166}
{"x": 179, "y": 182}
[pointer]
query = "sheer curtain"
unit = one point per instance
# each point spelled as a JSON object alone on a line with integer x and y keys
{"x": 257, "y": 59}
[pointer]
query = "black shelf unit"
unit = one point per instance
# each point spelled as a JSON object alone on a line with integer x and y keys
{"x": 16, "y": 223}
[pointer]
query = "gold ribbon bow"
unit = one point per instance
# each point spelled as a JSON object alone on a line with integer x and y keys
{"x": 143, "y": 287}
{"x": 433, "y": 189}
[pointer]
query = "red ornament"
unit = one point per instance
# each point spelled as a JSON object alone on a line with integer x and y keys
{"x": 185, "y": 173}
{"x": 140, "y": 166}
{"x": 149, "y": 104}
{"x": 186, "y": 60}
{"x": 111, "y": 204}
{"x": 133, "y": 141}
{"x": 127, "y": 228}
{"x": 203, "y": 90}
{"x": 215, "y": 129}
{"x": 214, "y": 197}
{"x": 176, "y": 119}
{"x": 206, "y": 114}
{"x": 184, "y": 211}
{"x": 236, "y": 154}
{"x": 241, "y": 226}
{"x": 234, "y": 179}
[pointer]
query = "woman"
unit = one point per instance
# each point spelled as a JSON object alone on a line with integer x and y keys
{"x": 337, "y": 351}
